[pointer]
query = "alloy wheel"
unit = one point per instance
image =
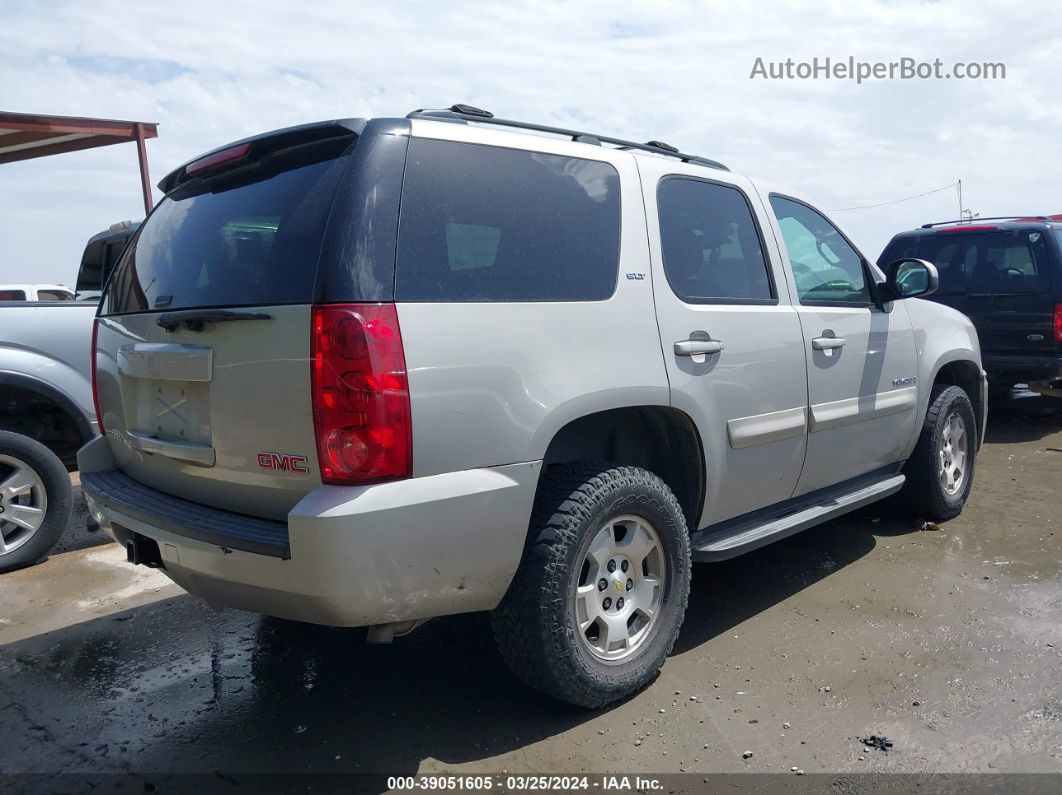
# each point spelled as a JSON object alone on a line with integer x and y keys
{"x": 23, "y": 503}
{"x": 620, "y": 590}
{"x": 954, "y": 451}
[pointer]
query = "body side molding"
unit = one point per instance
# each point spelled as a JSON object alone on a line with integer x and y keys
{"x": 763, "y": 428}
{"x": 826, "y": 416}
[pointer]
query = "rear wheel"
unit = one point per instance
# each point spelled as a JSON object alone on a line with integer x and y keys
{"x": 940, "y": 471}
{"x": 601, "y": 591}
{"x": 35, "y": 500}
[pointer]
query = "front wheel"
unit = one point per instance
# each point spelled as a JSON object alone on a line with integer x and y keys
{"x": 940, "y": 471}
{"x": 35, "y": 500}
{"x": 601, "y": 591}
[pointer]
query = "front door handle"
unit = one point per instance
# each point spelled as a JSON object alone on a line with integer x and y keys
{"x": 692, "y": 347}
{"x": 827, "y": 343}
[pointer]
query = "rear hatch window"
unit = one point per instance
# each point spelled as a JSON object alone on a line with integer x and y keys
{"x": 1001, "y": 279}
{"x": 250, "y": 238}
{"x": 1000, "y": 263}
{"x": 221, "y": 413}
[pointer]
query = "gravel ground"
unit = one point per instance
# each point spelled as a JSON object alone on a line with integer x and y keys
{"x": 946, "y": 642}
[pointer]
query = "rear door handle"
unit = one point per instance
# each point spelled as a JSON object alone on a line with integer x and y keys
{"x": 827, "y": 343}
{"x": 693, "y": 347}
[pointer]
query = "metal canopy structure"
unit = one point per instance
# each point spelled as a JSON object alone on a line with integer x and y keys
{"x": 24, "y": 136}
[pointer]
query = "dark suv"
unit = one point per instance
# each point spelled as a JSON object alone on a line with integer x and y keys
{"x": 1005, "y": 274}
{"x": 101, "y": 254}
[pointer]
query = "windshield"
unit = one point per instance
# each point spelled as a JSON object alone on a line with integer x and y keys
{"x": 233, "y": 242}
{"x": 1000, "y": 262}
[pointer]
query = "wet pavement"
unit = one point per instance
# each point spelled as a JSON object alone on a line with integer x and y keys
{"x": 946, "y": 642}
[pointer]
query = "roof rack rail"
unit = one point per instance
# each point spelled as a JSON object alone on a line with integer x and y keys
{"x": 467, "y": 113}
{"x": 988, "y": 218}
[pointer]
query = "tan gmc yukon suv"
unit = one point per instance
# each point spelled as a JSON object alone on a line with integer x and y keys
{"x": 364, "y": 373}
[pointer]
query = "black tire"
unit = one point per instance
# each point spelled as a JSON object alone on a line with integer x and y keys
{"x": 535, "y": 626}
{"x": 56, "y": 482}
{"x": 923, "y": 495}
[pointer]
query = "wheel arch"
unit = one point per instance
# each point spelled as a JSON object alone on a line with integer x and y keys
{"x": 948, "y": 348}
{"x": 966, "y": 374}
{"x": 19, "y": 389}
{"x": 657, "y": 438}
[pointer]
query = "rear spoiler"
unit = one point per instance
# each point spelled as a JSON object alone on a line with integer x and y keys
{"x": 258, "y": 147}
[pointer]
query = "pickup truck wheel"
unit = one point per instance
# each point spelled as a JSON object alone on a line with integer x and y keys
{"x": 601, "y": 591}
{"x": 940, "y": 471}
{"x": 35, "y": 500}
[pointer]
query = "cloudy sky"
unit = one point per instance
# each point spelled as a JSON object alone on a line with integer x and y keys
{"x": 210, "y": 72}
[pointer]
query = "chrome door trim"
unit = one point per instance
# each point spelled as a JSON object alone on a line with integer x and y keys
{"x": 166, "y": 361}
{"x": 190, "y": 452}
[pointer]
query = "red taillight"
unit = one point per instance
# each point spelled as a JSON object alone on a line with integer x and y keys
{"x": 360, "y": 394}
{"x": 218, "y": 158}
{"x": 95, "y": 387}
{"x": 1058, "y": 322}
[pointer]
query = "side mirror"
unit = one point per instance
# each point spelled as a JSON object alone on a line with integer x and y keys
{"x": 910, "y": 278}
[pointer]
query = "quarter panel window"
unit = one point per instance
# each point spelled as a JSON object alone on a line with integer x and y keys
{"x": 710, "y": 242}
{"x": 482, "y": 223}
{"x": 825, "y": 266}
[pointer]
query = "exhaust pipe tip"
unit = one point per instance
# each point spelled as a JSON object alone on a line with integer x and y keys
{"x": 386, "y": 633}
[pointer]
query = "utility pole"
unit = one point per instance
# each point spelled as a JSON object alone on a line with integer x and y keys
{"x": 964, "y": 214}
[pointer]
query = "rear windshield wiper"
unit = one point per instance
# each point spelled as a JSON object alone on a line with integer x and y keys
{"x": 196, "y": 319}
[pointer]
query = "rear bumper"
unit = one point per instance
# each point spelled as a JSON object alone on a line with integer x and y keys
{"x": 117, "y": 491}
{"x": 1015, "y": 369}
{"x": 356, "y": 556}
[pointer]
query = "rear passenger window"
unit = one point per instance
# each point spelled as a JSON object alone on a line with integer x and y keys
{"x": 711, "y": 245}
{"x": 54, "y": 295}
{"x": 481, "y": 223}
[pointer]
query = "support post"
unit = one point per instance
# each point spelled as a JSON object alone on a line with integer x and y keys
{"x": 145, "y": 180}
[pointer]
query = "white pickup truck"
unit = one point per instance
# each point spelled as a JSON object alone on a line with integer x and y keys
{"x": 46, "y": 414}
{"x": 46, "y": 408}
{"x": 35, "y": 292}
